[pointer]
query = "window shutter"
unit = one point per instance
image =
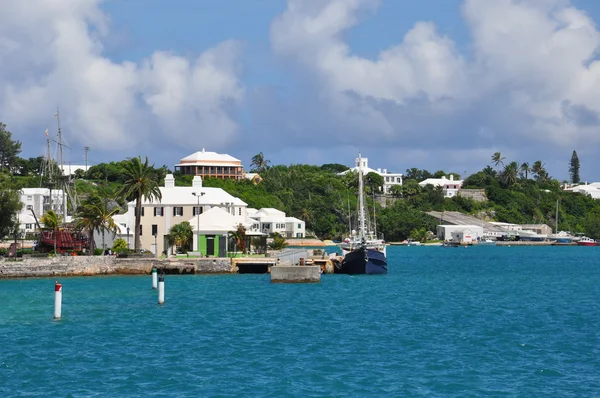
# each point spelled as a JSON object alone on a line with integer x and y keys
{"x": 174, "y": 211}
{"x": 155, "y": 212}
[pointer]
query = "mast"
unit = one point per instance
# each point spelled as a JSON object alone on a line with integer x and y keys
{"x": 556, "y": 226}
{"x": 61, "y": 165}
{"x": 361, "y": 201}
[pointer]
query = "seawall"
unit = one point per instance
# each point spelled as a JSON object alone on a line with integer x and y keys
{"x": 108, "y": 265}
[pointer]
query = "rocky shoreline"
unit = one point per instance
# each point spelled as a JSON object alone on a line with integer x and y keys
{"x": 109, "y": 265}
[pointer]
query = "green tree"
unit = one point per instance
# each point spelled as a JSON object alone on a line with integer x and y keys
{"x": 181, "y": 235}
{"x": 239, "y": 238}
{"x": 509, "y": 175}
{"x": 278, "y": 242}
{"x": 51, "y": 222}
{"x": 96, "y": 214}
{"x": 574, "y": 168}
{"x": 524, "y": 168}
{"x": 10, "y": 204}
{"x": 259, "y": 163}
{"x": 498, "y": 159}
{"x": 374, "y": 181}
{"x": 538, "y": 169}
{"x": 9, "y": 150}
{"x": 140, "y": 183}
{"x": 119, "y": 245}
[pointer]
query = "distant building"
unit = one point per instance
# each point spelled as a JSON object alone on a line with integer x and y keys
{"x": 70, "y": 169}
{"x": 540, "y": 229}
{"x": 592, "y": 189}
{"x": 271, "y": 220}
{"x": 450, "y": 186}
{"x": 39, "y": 201}
{"x": 460, "y": 233}
{"x": 211, "y": 164}
{"x": 389, "y": 179}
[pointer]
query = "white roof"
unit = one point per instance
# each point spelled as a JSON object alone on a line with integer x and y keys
{"x": 215, "y": 220}
{"x": 293, "y": 219}
{"x": 365, "y": 170}
{"x": 183, "y": 196}
{"x": 269, "y": 211}
{"x": 251, "y": 211}
{"x": 438, "y": 182}
{"x": 40, "y": 191}
{"x": 25, "y": 218}
{"x": 204, "y": 157}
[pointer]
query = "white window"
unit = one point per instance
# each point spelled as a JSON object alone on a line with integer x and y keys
{"x": 28, "y": 226}
{"x": 29, "y": 198}
{"x": 239, "y": 211}
{"x": 197, "y": 210}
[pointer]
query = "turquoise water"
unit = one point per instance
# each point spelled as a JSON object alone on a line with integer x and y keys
{"x": 468, "y": 322}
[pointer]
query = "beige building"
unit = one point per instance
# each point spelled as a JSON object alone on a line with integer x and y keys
{"x": 180, "y": 204}
{"x": 211, "y": 164}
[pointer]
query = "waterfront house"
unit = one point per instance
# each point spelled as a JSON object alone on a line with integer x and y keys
{"x": 449, "y": 186}
{"x": 211, "y": 164}
{"x": 271, "y": 220}
{"x": 180, "y": 204}
{"x": 389, "y": 179}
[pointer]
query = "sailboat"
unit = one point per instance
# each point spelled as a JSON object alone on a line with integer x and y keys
{"x": 363, "y": 252}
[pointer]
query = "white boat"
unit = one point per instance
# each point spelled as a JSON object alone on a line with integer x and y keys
{"x": 487, "y": 242}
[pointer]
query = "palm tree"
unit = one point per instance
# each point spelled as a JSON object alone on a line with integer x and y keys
{"x": 180, "y": 235}
{"x": 259, "y": 162}
{"x": 51, "y": 222}
{"x": 498, "y": 159}
{"x": 525, "y": 169}
{"x": 96, "y": 214}
{"x": 239, "y": 236}
{"x": 141, "y": 183}
{"x": 538, "y": 169}
{"x": 508, "y": 177}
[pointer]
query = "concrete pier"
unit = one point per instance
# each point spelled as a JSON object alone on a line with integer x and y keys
{"x": 295, "y": 274}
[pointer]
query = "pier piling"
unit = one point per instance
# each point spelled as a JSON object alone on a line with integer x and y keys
{"x": 154, "y": 279}
{"x": 161, "y": 289}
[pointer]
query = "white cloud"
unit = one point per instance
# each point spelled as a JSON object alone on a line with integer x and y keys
{"x": 52, "y": 54}
{"x": 531, "y": 80}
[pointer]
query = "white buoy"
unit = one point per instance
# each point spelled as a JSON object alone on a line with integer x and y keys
{"x": 154, "y": 279}
{"x": 161, "y": 289}
{"x": 57, "y": 300}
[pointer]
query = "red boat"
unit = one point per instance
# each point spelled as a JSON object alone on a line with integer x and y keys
{"x": 585, "y": 241}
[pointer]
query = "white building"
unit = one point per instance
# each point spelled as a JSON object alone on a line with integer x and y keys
{"x": 592, "y": 189}
{"x": 39, "y": 200}
{"x": 211, "y": 164}
{"x": 271, "y": 220}
{"x": 389, "y": 179}
{"x": 180, "y": 204}
{"x": 450, "y": 186}
{"x": 70, "y": 169}
{"x": 460, "y": 233}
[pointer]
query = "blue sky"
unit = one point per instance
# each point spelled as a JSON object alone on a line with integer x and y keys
{"x": 435, "y": 84}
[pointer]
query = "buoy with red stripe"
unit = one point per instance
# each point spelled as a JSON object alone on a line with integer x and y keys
{"x": 161, "y": 289}
{"x": 57, "y": 300}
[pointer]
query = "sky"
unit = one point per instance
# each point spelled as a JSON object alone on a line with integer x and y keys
{"x": 432, "y": 84}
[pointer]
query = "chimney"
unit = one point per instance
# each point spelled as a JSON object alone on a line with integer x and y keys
{"x": 451, "y": 177}
{"x": 202, "y": 150}
{"x": 197, "y": 182}
{"x": 169, "y": 181}
{"x": 384, "y": 171}
{"x": 379, "y": 170}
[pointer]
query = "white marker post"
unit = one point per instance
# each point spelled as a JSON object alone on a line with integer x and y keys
{"x": 154, "y": 279}
{"x": 161, "y": 289}
{"x": 57, "y": 300}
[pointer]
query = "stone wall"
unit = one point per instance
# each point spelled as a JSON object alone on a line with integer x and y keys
{"x": 105, "y": 265}
{"x": 477, "y": 195}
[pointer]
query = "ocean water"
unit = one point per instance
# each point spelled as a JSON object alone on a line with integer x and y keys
{"x": 465, "y": 322}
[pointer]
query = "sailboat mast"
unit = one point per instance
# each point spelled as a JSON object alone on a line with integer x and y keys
{"x": 361, "y": 200}
{"x": 61, "y": 165}
{"x": 556, "y": 226}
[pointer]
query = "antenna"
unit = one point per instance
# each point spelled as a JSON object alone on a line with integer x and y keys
{"x": 86, "y": 149}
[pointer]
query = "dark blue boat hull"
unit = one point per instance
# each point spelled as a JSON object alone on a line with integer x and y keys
{"x": 363, "y": 261}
